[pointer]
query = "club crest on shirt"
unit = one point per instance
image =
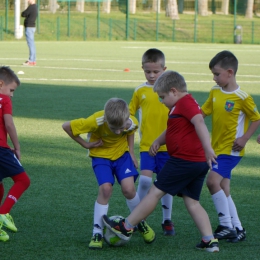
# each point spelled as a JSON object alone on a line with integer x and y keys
{"x": 229, "y": 105}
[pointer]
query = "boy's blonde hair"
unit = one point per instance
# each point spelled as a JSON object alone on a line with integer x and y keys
{"x": 153, "y": 56}
{"x": 170, "y": 79}
{"x": 116, "y": 112}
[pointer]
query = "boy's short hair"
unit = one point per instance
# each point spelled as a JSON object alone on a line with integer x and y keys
{"x": 226, "y": 60}
{"x": 116, "y": 112}
{"x": 170, "y": 79}
{"x": 8, "y": 76}
{"x": 153, "y": 55}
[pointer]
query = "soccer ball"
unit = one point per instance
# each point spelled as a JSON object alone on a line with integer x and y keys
{"x": 111, "y": 238}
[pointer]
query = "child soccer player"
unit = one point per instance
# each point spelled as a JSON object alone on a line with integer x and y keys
{"x": 10, "y": 165}
{"x": 185, "y": 171}
{"x": 146, "y": 101}
{"x": 231, "y": 110}
{"x": 111, "y": 143}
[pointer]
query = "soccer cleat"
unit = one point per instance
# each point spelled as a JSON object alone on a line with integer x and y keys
{"x": 241, "y": 236}
{"x": 211, "y": 246}
{"x": 147, "y": 233}
{"x": 96, "y": 242}
{"x": 223, "y": 232}
{"x": 168, "y": 228}
{"x": 29, "y": 63}
{"x": 3, "y": 235}
{"x": 118, "y": 227}
{"x": 8, "y": 222}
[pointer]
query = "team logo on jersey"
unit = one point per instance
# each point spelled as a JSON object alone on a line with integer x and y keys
{"x": 143, "y": 96}
{"x": 229, "y": 105}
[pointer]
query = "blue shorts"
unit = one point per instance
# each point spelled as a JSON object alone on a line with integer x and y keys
{"x": 153, "y": 163}
{"x": 9, "y": 164}
{"x": 226, "y": 163}
{"x": 182, "y": 177}
{"x": 106, "y": 170}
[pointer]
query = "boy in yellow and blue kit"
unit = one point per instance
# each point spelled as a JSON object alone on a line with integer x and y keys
{"x": 232, "y": 109}
{"x": 111, "y": 144}
{"x": 153, "y": 116}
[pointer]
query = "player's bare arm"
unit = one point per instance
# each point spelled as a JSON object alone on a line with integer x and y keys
{"x": 157, "y": 143}
{"x": 88, "y": 145}
{"x": 11, "y": 130}
{"x": 240, "y": 142}
{"x": 204, "y": 137}
{"x": 130, "y": 140}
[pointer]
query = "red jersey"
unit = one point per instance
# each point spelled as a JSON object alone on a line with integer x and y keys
{"x": 5, "y": 108}
{"x": 182, "y": 140}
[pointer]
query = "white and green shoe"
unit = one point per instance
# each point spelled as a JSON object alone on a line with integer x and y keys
{"x": 7, "y": 221}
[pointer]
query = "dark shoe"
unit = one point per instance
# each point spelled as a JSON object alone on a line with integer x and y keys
{"x": 211, "y": 246}
{"x": 168, "y": 228}
{"x": 96, "y": 242}
{"x": 223, "y": 232}
{"x": 241, "y": 236}
{"x": 118, "y": 227}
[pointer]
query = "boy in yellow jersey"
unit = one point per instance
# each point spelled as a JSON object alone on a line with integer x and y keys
{"x": 231, "y": 109}
{"x": 111, "y": 144}
{"x": 153, "y": 117}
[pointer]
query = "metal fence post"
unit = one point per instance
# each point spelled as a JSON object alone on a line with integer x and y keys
{"x": 213, "y": 31}
{"x": 110, "y": 29}
{"x": 173, "y": 30}
{"x": 58, "y": 28}
{"x": 85, "y": 29}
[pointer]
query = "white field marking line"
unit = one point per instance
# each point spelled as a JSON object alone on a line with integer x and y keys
{"x": 135, "y": 71}
{"x": 108, "y": 80}
{"x": 123, "y": 61}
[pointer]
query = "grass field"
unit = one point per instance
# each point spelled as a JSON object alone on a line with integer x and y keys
{"x": 71, "y": 80}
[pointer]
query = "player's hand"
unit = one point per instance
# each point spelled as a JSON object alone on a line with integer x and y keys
{"x": 154, "y": 148}
{"x": 94, "y": 144}
{"x": 134, "y": 160}
{"x": 210, "y": 157}
{"x": 17, "y": 153}
{"x": 239, "y": 144}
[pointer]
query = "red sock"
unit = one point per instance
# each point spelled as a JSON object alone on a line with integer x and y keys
{"x": 2, "y": 192}
{"x": 21, "y": 183}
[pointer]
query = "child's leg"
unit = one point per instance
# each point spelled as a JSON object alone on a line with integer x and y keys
{"x": 101, "y": 207}
{"x": 166, "y": 201}
{"x": 21, "y": 183}
{"x": 145, "y": 181}
{"x": 233, "y": 212}
{"x": 200, "y": 217}
{"x": 128, "y": 190}
{"x": 219, "y": 198}
{"x": 145, "y": 207}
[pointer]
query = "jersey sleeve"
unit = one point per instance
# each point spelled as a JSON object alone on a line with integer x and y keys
{"x": 207, "y": 106}
{"x": 134, "y": 104}
{"x": 7, "y": 106}
{"x": 190, "y": 108}
{"x": 133, "y": 127}
{"x": 83, "y": 125}
{"x": 250, "y": 109}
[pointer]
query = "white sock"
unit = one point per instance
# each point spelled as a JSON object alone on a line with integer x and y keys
{"x": 233, "y": 213}
{"x": 144, "y": 186}
{"x": 221, "y": 204}
{"x": 131, "y": 204}
{"x": 99, "y": 211}
{"x": 166, "y": 201}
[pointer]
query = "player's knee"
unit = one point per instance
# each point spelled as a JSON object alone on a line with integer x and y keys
{"x": 106, "y": 191}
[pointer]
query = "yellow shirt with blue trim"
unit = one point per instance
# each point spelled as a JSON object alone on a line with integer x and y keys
{"x": 152, "y": 114}
{"x": 231, "y": 115}
{"x": 114, "y": 146}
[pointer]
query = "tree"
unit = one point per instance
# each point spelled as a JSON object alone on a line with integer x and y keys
{"x": 249, "y": 9}
{"x": 172, "y": 9}
{"x": 203, "y": 7}
{"x": 225, "y": 5}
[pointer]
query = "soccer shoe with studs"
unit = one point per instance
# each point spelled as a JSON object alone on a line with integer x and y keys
{"x": 211, "y": 246}
{"x": 96, "y": 242}
{"x": 223, "y": 232}
{"x": 168, "y": 228}
{"x": 146, "y": 232}
{"x": 118, "y": 227}
{"x": 241, "y": 236}
{"x": 3, "y": 235}
{"x": 8, "y": 222}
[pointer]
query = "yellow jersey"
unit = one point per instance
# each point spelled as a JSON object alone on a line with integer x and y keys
{"x": 231, "y": 114}
{"x": 152, "y": 114}
{"x": 114, "y": 146}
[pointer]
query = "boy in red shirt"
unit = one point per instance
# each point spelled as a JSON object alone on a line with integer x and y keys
{"x": 188, "y": 144}
{"x": 10, "y": 165}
